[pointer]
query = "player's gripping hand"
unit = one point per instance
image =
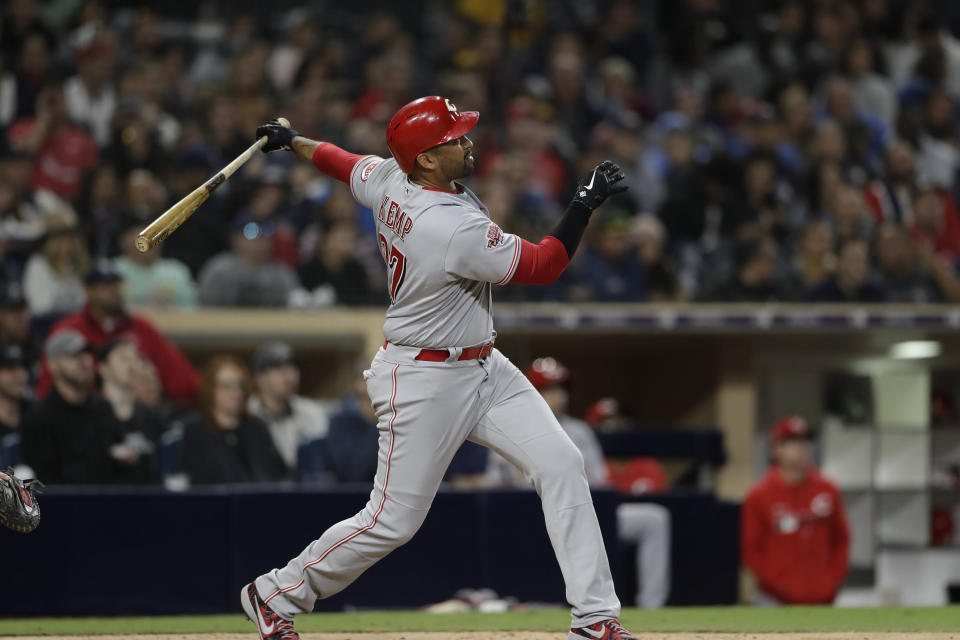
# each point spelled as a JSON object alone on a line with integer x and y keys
{"x": 278, "y": 136}
{"x": 601, "y": 183}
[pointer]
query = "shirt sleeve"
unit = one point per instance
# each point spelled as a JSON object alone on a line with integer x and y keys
{"x": 480, "y": 250}
{"x": 753, "y": 534}
{"x": 840, "y": 551}
{"x": 540, "y": 263}
{"x": 367, "y": 178}
{"x": 334, "y": 161}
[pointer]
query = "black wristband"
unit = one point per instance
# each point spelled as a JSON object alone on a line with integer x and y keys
{"x": 570, "y": 228}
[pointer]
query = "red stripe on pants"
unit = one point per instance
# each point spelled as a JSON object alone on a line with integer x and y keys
{"x": 383, "y": 499}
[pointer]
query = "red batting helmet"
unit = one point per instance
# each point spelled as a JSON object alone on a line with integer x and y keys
{"x": 425, "y": 123}
{"x": 545, "y": 372}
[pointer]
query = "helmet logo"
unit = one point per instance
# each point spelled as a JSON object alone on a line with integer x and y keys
{"x": 452, "y": 108}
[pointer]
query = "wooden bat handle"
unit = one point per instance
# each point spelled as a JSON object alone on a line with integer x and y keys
{"x": 158, "y": 230}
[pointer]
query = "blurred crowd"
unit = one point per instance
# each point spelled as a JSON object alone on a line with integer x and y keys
{"x": 103, "y": 397}
{"x": 106, "y": 399}
{"x": 775, "y": 149}
{"x": 117, "y": 409}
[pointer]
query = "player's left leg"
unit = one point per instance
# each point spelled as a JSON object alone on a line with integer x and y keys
{"x": 425, "y": 411}
{"x": 518, "y": 425}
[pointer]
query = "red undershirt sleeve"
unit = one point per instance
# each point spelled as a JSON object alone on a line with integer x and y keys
{"x": 335, "y": 162}
{"x": 540, "y": 263}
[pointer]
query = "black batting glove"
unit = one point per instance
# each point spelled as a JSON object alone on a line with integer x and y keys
{"x": 278, "y": 136}
{"x": 600, "y": 184}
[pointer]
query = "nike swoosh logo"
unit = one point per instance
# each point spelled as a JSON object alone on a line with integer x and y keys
{"x": 266, "y": 628}
{"x": 590, "y": 186}
{"x": 595, "y": 633}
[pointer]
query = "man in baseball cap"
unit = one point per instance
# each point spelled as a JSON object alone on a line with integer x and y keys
{"x": 72, "y": 437}
{"x": 795, "y": 538}
{"x": 292, "y": 419}
{"x": 57, "y": 436}
{"x": 102, "y": 272}
{"x": 68, "y": 343}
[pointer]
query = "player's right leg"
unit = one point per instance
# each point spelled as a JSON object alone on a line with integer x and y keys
{"x": 270, "y": 625}
{"x": 425, "y": 411}
{"x": 519, "y": 425}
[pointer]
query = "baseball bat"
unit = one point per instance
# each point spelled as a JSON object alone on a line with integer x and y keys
{"x": 169, "y": 220}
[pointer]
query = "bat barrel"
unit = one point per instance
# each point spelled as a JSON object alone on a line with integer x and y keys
{"x": 173, "y": 217}
{"x": 169, "y": 220}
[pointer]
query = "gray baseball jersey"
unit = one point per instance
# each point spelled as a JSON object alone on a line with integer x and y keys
{"x": 443, "y": 255}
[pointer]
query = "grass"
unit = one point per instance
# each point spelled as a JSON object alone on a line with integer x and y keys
{"x": 734, "y": 619}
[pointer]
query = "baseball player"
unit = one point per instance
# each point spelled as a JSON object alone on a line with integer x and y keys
{"x": 438, "y": 380}
{"x": 794, "y": 533}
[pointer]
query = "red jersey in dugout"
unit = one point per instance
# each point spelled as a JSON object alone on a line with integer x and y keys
{"x": 795, "y": 538}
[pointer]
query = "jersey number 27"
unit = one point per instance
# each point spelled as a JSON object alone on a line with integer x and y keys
{"x": 396, "y": 266}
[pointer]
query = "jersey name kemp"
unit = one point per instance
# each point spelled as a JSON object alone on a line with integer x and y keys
{"x": 391, "y": 215}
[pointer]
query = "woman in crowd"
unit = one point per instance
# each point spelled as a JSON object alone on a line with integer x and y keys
{"x": 223, "y": 443}
{"x": 53, "y": 278}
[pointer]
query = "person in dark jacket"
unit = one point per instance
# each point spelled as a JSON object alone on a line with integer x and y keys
{"x": 337, "y": 269}
{"x": 224, "y": 443}
{"x": 72, "y": 437}
{"x": 899, "y": 273}
{"x": 851, "y": 279}
{"x": 16, "y": 327}
{"x": 14, "y": 402}
{"x": 119, "y": 365}
{"x": 754, "y": 277}
{"x": 351, "y": 445}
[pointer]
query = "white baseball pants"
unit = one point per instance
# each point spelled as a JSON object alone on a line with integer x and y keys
{"x": 425, "y": 411}
{"x": 648, "y": 526}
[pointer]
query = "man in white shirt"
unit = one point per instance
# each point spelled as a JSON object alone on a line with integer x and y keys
{"x": 291, "y": 419}
{"x": 90, "y": 97}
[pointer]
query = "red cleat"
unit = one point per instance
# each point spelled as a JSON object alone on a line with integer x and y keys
{"x": 604, "y": 630}
{"x": 270, "y": 625}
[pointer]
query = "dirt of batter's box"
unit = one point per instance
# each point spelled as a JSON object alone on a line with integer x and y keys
{"x": 522, "y": 635}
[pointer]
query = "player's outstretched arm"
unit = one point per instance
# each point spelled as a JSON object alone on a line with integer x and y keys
{"x": 544, "y": 262}
{"x": 329, "y": 158}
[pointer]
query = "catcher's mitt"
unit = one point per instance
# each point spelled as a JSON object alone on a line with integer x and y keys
{"x": 18, "y": 502}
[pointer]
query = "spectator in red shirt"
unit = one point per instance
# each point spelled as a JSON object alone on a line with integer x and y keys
{"x": 62, "y": 153}
{"x": 794, "y": 533}
{"x": 936, "y": 222}
{"x": 889, "y": 196}
{"x": 104, "y": 319}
